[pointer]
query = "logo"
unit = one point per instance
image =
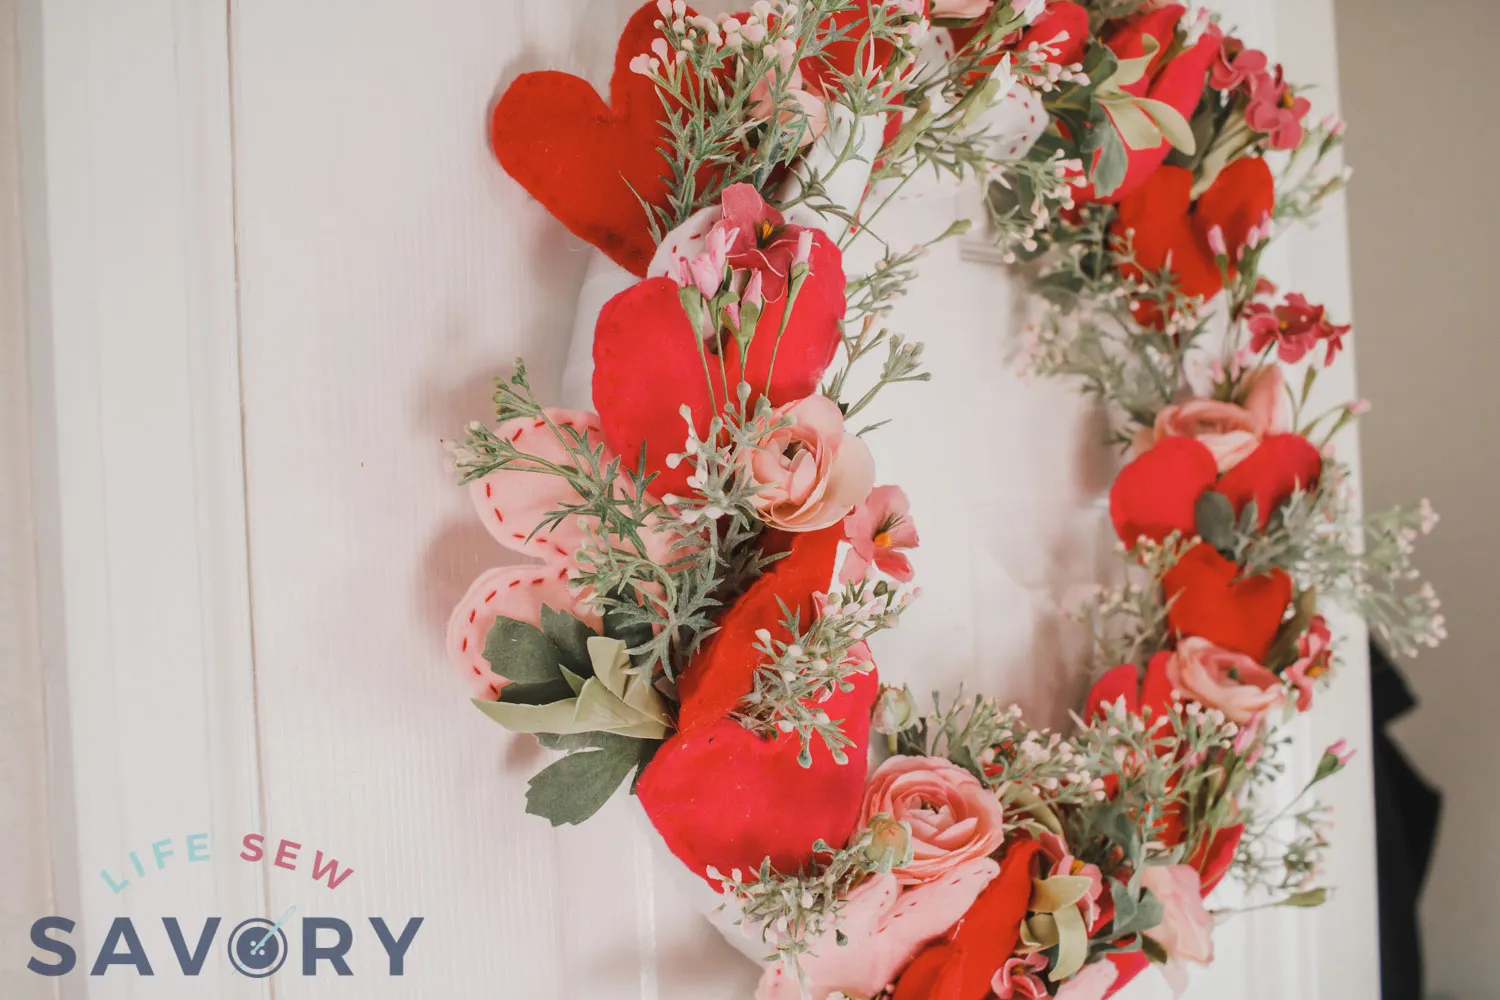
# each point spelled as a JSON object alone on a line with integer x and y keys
{"x": 256, "y": 947}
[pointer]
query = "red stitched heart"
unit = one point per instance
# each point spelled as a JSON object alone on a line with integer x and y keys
{"x": 647, "y": 363}
{"x": 1158, "y": 492}
{"x": 1207, "y": 602}
{"x": 591, "y": 163}
{"x": 1283, "y": 464}
{"x": 723, "y": 796}
{"x": 961, "y": 967}
{"x": 724, "y": 670}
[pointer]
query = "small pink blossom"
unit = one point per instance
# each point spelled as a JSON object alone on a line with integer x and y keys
{"x": 1220, "y": 678}
{"x": 954, "y": 819}
{"x": 1236, "y": 65}
{"x": 1295, "y": 326}
{"x": 1276, "y": 111}
{"x": 804, "y": 247}
{"x": 812, "y": 473}
{"x": 880, "y": 529}
{"x": 1216, "y": 242}
{"x": 706, "y": 271}
{"x": 1017, "y": 979}
{"x": 1340, "y": 752}
{"x": 1314, "y": 656}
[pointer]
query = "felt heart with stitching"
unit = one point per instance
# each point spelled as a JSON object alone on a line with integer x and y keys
{"x": 591, "y": 163}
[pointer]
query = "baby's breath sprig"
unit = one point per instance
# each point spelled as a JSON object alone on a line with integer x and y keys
{"x": 796, "y": 678}
{"x": 1129, "y": 619}
{"x": 792, "y": 911}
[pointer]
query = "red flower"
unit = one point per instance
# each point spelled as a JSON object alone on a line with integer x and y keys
{"x": 1295, "y": 326}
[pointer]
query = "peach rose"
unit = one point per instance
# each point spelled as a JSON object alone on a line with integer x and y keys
{"x": 968, "y": 9}
{"x": 811, "y": 473}
{"x": 953, "y": 818}
{"x": 1186, "y": 928}
{"x": 1229, "y": 430}
{"x": 1220, "y": 678}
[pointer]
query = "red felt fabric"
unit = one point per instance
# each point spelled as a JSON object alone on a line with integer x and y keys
{"x": 1157, "y": 493}
{"x": 720, "y": 795}
{"x": 1283, "y": 464}
{"x": 647, "y": 363}
{"x": 1208, "y": 602}
{"x": 961, "y": 967}
{"x": 724, "y": 670}
{"x": 584, "y": 159}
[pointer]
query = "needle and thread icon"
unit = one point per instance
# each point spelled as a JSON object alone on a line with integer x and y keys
{"x": 261, "y": 944}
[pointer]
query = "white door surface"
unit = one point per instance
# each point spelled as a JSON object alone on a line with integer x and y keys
{"x": 271, "y": 263}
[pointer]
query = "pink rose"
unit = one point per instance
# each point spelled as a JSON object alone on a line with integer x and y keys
{"x": 1230, "y": 431}
{"x": 1092, "y": 982}
{"x": 965, "y": 9}
{"x": 953, "y": 818}
{"x": 1186, "y": 928}
{"x": 811, "y": 473}
{"x": 1220, "y": 678}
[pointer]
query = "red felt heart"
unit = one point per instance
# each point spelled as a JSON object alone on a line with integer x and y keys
{"x": 1149, "y": 696}
{"x": 591, "y": 164}
{"x": 724, "y": 670}
{"x": 721, "y": 795}
{"x": 1207, "y": 602}
{"x": 961, "y": 967}
{"x": 1283, "y": 464}
{"x": 649, "y": 363}
{"x": 1167, "y": 230}
{"x": 1157, "y": 493}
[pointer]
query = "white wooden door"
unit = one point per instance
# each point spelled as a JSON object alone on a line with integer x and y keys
{"x": 271, "y": 264}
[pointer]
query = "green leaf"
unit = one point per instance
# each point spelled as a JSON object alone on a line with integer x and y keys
{"x": 1309, "y": 898}
{"x": 1113, "y": 163}
{"x": 1154, "y": 950}
{"x": 574, "y": 788}
{"x": 587, "y": 741}
{"x": 1283, "y": 652}
{"x": 1214, "y": 520}
{"x": 617, "y": 625}
{"x": 571, "y": 638}
{"x": 1132, "y": 914}
{"x": 520, "y": 652}
{"x": 544, "y": 693}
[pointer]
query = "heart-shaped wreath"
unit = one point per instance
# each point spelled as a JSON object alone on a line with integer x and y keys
{"x": 715, "y": 553}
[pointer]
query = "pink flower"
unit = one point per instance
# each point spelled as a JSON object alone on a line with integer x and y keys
{"x": 1017, "y": 979}
{"x": 1264, "y": 390}
{"x": 1295, "y": 327}
{"x": 763, "y": 242}
{"x": 879, "y": 529}
{"x": 953, "y": 818}
{"x": 811, "y": 473}
{"x": 1276, "y": 111}
{"x": 1220, "y": 678}
{"x": 1056, "y": 850}
{"x": 1340, "y": 752}
{"x": 1186, "y": 929}
{"x": 1314, "y": 655}
{"x": 1216, "y": 241}
{"x": 706, "y": 271}
{"x": 1229, "y": 431}
{"x": 797, "y": 101}
{"x": 964, "y": 9}
{"x": 1092, "y": 982}
{"x": 884, "y": 926}
{"x": 1237, "y": 66}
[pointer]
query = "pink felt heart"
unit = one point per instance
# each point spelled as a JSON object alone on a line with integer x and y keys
{"x": 724, "y": 796}
{"x": 513, "y": 591}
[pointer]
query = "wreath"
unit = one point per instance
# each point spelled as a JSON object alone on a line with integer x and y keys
{"x": 712, "y": 554}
